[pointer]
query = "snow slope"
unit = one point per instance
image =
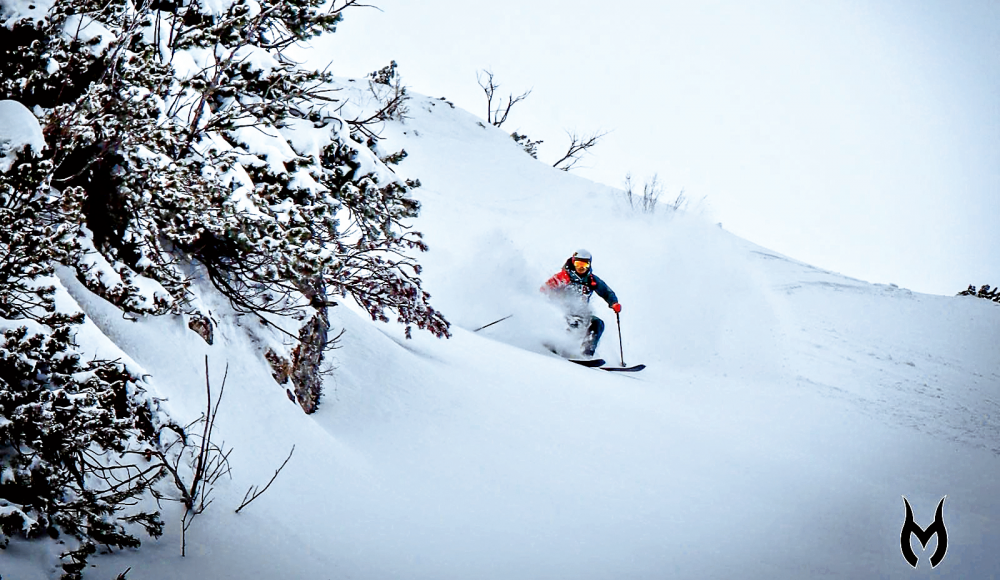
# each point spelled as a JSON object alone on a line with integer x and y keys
{"x": 784, "y": 412}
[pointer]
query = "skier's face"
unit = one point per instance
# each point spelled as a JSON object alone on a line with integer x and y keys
{"x": 581, "y": 266}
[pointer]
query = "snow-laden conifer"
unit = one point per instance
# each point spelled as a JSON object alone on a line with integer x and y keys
{"x": 190, "y": 135}
{"x": 73, "y": 432}
{"x": 182, "y": 134}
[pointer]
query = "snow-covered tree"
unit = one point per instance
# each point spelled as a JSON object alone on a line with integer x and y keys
{"x": 73, "y": 433}
{"x": 177, "y": 140}
{"x": 181, "y": 133}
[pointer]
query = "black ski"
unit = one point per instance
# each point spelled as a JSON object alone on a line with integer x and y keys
{"x": 631, "y": 369}
{"x": 588, "y": 363}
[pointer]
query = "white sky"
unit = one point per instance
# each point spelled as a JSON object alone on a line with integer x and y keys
{"x": 861, "y": 137}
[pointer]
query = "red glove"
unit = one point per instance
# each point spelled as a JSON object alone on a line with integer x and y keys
{"x": 616, "y": 307}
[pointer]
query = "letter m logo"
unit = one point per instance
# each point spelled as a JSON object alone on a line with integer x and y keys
{"x": 924, "y": 535}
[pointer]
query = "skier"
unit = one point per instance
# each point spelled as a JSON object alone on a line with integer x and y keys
{"x": 573, "y": 286}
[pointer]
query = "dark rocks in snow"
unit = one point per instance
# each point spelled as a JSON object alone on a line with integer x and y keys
{"x": 306, "y": 360}
{"x": 203, "y": 327}
{"x": 281, "y": 367}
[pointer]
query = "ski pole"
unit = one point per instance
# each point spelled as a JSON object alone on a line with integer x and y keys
{"x": 621, "y": 349}
{"x": 492, "y": 323}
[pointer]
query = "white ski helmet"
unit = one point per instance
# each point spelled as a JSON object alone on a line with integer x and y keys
{"x": 583, "y": 255}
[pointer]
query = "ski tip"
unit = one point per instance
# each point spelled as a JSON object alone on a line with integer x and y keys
{"x": 597, "y": 362}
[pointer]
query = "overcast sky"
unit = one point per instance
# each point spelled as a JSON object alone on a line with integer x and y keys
{"x": 858, "y": 136}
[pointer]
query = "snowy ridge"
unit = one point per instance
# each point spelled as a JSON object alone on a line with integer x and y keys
{"x": 784, "y": 411}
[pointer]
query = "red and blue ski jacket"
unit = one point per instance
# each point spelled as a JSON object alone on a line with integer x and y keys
{"x": 568, "y": 281}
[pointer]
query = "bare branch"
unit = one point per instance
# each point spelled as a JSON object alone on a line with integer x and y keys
{"x": 350, "y": 4}
{"x": 489, "y": 88}
{"x": 253, "y": 492}
{"x": 577, "y": 147}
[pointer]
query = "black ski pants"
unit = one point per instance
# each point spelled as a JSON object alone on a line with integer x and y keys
{"x": 593, "y": 336}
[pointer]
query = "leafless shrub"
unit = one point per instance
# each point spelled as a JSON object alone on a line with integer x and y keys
{"x": 578, "y": 145}
{"x": 651, "y": 192}
{"x": 496, "y": 113}
{"x": 649, "y": 200}
{"x": 680, "y": 202}
{"x": 683, "y": 203}
{"x": 195, "y": 463}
